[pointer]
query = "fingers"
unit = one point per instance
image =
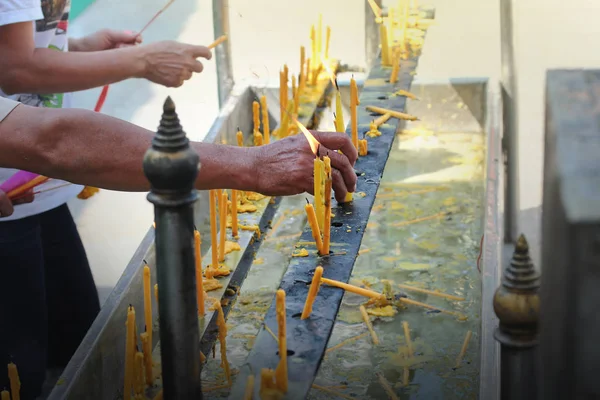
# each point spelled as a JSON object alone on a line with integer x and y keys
{"x": 199, "y": 51}
{"x": 128, "y": 37}
{"x": 197, "y": 66}
{"x": 25, "y": 198}
{"x": 338, "y": 141}
{"x": 339, "y": 186}
{"x": 341, "y": 163}
{"x": 6, "y": 207}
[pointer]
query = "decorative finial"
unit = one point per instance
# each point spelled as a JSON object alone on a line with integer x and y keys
{"x": 170, "y": 136}
{"x": 516, "y": 301}
{"x": 169, "y": 106}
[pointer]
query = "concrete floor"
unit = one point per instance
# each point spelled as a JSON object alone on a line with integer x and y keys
{"x": 265, "y": 34}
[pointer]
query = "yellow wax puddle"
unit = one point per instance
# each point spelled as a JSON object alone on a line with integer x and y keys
{"x": 211, "y": 284}
{"x": 254, "y": 196}
{"x": 254, "y": 228}
{"x": 259, "y": 261}
{"x": 300, "y": 253}
{"x": 387, "y": 311}
{"x": 246, "y": 208}
{"x": 231, "y": 247}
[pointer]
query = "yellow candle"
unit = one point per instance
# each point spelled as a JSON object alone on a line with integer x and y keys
{"x": 349, "y": 197}
{"x": 147, "y": 301}
{"x": 281, "y": 373}
{"x": 199, "y": 280}
{"x": 4, "y": 395}
{"x": 339, "y": 114}
{"x": 353, "y": 289}
{"x": 363, "y": 147}
{"x": 285, "y": 85}
{"x": 327, "y": 198}
{"x": 265, "y": 118}
{"x": 156, "y": 293}
{"x": 282, "y": 96}
{"x": 319, "y": 187}
{"x": 381, "y": 120}
{"x": 353, "y": 111}
{"x": 385, "y": 47}
{"x": 223, "y": 225}
{"x": 316, "y": 73}
{"x": 294, "y": 89}
{"x": 213, "y": 228}
{"x": 320, "y": 38}
{"x": 249, "y": 388}
{"x": 258, "y": 138}
{"x": 297, "y": 96}
{"x": 129, "y": 352}
{"x": 395, "y": 67}
{"x": 222, "y": 335}
{"x": 240, "y": 138}
{"x": 314, "y": 225}
{"x": 409, "y": 345}
{"x": 303, "y": 77}
{"x": 15, "y": 382}
{"x": 395, "y": 114}
{"x": 308, "y": 70}
{"x": 256, "y": 115}
{"x": 147, "y": 349}
{"x": 139, "y": 373}
{"x": 234, "y": 214}
{"x": 312, "y": 293}
{"x": 302, "y": 59}
{"x": 327, "y": 37}
{"x": 313, "y": 42}
{"x": 367, "y": 320}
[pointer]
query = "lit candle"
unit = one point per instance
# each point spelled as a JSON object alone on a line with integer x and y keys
{"x": 256, "y": 116}
{"x": 312, "y": 293}
{"x": 199, "y": 280}
{"x": 314, "y": 225}
{"x": 363, "y": 147}
{"x": 213, "y": 228}
{"x": 147, "y": 301}
{"x": 222, "y": 225}
{"x": 319, "y": 187}
{"x": 234, "y": 214}
{"x": 327, "y": 37}
{"x": 147, "y": 348}
{"x": 240, "y": 138}
{"x": 15, "y": 382}
{"x": 4, "y": 395}
{"x": 139, "y": 373}
{"x": 385, "y": 48}
{"x": 129, "y": 352}
{"x": 281, "y": 373}
{"x": 353, "y": 289}
{"x": 339, "y": 114}
{"x": 327, "y": 198}
{"x": 265, "y": 118}
{"x": 353, "y": 111}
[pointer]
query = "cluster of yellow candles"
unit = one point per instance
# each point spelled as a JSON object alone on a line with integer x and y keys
{"x": 15, "y": 384}
{"x": 138, "y": 364}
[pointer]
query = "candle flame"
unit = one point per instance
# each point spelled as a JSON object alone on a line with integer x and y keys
{"x": 312, "y": 141}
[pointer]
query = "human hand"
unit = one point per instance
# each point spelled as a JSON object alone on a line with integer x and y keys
{"x": 286, "y": 166}
{"x": 105, "y": 39}
{"x": 171, "y": 63}
{"x": 6, "y": 205}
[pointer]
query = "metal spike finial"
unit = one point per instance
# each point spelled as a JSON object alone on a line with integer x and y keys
{"x": 170, "y": 136}
{"x": 520, "y": 273}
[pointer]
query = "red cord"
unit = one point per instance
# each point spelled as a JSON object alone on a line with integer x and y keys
{"x": 101, "y": 99}
{"x": 480, "y": 252}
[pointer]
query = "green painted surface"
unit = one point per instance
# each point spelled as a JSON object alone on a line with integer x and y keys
{"x": 78, "y": 6}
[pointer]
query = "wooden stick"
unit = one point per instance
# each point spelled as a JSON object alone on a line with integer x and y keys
{"x": 386, "y": 386}
{"x": 271, "y": 332}
{"x": 418, "y": 303}
{"x": 345, "y": 342}
{"x": 463, "y": 350}
{"x": 331, "y": 391}
{"x": 367, "y": 320}
{"x": 395, "y": 114}
{"x": 431, "y": 292}
{"x": 416, "y": 220}
{"x": 409, "y": 345}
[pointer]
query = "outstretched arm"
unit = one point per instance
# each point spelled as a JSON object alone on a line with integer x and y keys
{"x": 89, "y": 148}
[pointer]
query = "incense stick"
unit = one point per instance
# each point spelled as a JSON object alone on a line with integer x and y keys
{"x": 416, "y": 220}
{"x": 430, "y": 292}
{"x": 424, "y": 305}
{"x": 407, "y": 338}
{"x": 156, "y": 16}
{"x": 272, "y": 334}
{"x": 463, "y": 350}
{"x": 345, "y": 342}
{"x": 367, "y": 320}
{"x": 386, "y": 386}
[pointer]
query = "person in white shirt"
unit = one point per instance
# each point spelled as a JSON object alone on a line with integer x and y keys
{"x": 42, "y": 260}
{"x": 94, "y": 149}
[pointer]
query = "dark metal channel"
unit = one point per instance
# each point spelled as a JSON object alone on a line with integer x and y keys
{"x": 307, "y": 340}
{"x": 171, "y": 166}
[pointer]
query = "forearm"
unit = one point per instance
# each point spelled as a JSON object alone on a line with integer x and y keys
{"x": 93, "y": 149}
{"x": 51, "y": 71}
